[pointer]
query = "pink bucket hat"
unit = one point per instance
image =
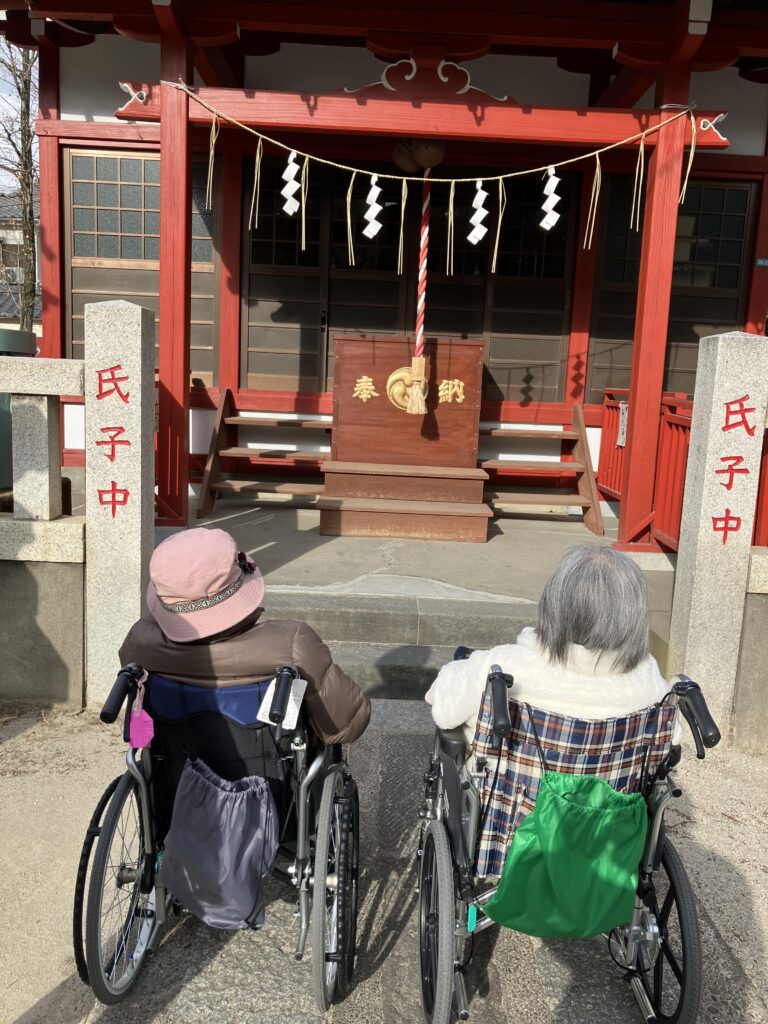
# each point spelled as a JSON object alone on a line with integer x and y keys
{"x": 201, "y": 585}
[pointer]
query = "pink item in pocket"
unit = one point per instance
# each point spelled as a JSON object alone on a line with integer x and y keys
{"x": 142, "y": 728}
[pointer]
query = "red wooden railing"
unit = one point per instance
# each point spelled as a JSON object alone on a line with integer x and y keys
{"x": 611, "y": 462}
{"x": 671, "y": 465}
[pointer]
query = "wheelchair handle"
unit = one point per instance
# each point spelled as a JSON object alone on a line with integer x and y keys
{"x": 127, "y": 678}
{"x": 500, "y": 687}
{"x": 697, "y": 714}
{"x": 283, "y": 682}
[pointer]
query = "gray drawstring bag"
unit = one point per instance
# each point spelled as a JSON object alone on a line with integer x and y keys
{"x": 221, "y": 845}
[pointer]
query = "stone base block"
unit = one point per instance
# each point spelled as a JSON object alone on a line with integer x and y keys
{"x": 41, "y": 631}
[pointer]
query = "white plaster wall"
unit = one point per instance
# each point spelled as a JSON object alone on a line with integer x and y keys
{"x": 74, "y": 426}
{"x": 593, "y": 442}
{"x": 746, "y": 104}
{"x": 326, "y": 69}
{"x": 200, "y": 430}
{"x": 89, "y": 76}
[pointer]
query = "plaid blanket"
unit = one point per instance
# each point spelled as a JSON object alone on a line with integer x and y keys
{"x": 616, "y": 749}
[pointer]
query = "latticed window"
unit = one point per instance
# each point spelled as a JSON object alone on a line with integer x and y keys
{"x": 711, "y": 229}
{"x": 116, "y": 208}
{"x": 711, "y": 232}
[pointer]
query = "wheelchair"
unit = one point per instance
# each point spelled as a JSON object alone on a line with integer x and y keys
{"x": 121, "y": 906}
{"x": 658, "y": 951}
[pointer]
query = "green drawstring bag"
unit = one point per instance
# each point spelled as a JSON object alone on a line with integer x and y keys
{"x": 572, "y": 868}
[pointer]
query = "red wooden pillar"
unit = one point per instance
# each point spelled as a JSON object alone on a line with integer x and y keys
{"x": 581, "y": 307}
{"x": 175, "y": 285}
{"x": 757, "y": 307}
{"x": 229, "y": 282}
{"x": 652, "y": 317}
{"x": 51, "y": 253}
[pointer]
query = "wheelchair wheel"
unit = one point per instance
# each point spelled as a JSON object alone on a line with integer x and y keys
{"x": 437, "y": 922}
{"x": 334, "y": 900}
{"x": 120, "y": 916}
{"x": 672, "y": 976}
{"x": 94, "y": 828}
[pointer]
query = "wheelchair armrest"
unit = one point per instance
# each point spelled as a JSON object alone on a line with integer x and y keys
{"x": 453, "y": 744}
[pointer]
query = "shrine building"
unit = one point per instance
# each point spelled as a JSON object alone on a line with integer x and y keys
{"x": 175, "y": 198}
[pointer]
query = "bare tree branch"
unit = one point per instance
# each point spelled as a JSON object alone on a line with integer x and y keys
{"x": 18, "y": 108}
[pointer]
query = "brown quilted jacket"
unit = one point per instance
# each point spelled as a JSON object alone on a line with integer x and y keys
{"x": 337, "y": 708}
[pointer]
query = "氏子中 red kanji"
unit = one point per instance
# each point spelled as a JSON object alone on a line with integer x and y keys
{"x": 729, "y": 523}
{"x": 109, "y": 383}
{"x": 736, "y": 415}
{"x": 734, "y": 468}
{"x": 114, "y": 496}
{"x": 113, "y": 442}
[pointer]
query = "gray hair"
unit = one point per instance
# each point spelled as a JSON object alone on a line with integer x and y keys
{"x": 596, "y": 597}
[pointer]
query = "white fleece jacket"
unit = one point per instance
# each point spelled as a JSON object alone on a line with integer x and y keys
{"x": 587, "y": 686}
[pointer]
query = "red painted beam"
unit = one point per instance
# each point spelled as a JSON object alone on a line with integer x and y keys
{"x": 229, "y": 271}
{"x": 457, "y": 118}
{"x": 98, "y": 131}
{"x": 651, "y": 323}
{"x": 757, "y": 306}
{"x": 175, "y": 285}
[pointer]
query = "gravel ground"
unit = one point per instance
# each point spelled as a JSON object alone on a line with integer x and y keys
{"x": 54, "y": 767}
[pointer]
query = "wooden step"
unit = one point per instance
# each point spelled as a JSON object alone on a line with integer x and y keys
{"x": 234, "y": 485}
{"x": 435, "y": 508}
{"x": 271, "y": 453}
{"x": 404, "y": 483}
{"x": 420, "y": 520}
{"x": 249, "y": 421}
{"x": 521, "y": 466}
{"x": 546, "y": 435}
{"x": 535, "y": 498}
{"x": 389, "y": 469}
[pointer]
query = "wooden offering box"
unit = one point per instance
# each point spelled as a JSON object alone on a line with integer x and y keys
{"x": 393, "y": 474}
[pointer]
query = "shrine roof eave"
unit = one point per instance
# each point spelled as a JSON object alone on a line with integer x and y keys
{"x": 481, "y": 118}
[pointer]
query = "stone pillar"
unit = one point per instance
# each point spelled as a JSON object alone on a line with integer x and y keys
{"x": 729, "y": 413}
{"x": 36, "y": 457}
{"x": 119, "y": 479}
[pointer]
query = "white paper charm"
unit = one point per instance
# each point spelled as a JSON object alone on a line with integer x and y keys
{"x": 290, "y": 174}
{"x": 373, "y": 227}
{"x": 298, "y": 686}
{"x": 479, "y": 230}
{"x": 551, "y": 199}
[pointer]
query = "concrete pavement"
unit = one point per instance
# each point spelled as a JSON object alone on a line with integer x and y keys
{"x": 53, "y": 768}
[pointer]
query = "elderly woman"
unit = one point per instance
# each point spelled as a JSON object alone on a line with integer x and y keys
{"x": 204, "y": 626}
{"x": 587, "y": 658}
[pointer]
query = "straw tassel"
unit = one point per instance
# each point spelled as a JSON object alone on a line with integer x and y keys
{"x": 211, "y": 157}
{"x": 593, "y": 201}
{"x": 691, "y": 152}
{"x": 304, "y": 184}
{"x": 502, "y": 207}
{"x": 449, "y": 239}
{"x": 637, "y": 189}
{"x": 350, "y": 233}
{"x": 403, "y": 201}
{"x": 253, "y": 219}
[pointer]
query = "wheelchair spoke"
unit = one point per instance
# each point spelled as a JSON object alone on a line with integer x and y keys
{"x": 672, "y": 961}
{"x": 666, "y": 906}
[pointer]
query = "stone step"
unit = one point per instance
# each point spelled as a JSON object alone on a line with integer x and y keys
{"x": 383, "y": 670}
{"x": 401, "y": 619}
